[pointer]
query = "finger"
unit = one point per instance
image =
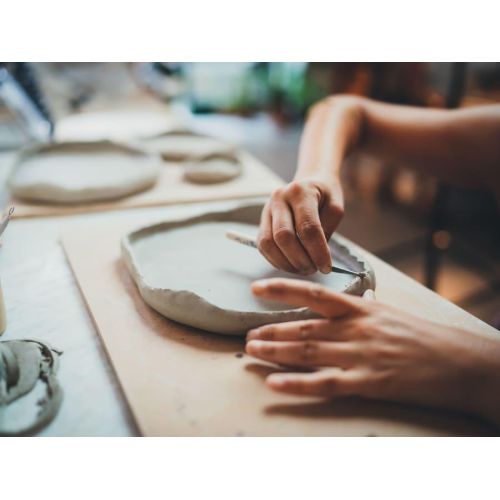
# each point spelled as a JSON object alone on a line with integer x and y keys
{"x": 306, "y": 294}
{"x": 306, "y": 354}
{"x": 268, "y": 247}
{"x": 330, "y": 217}
{"x": 311, "y": 329}
{"x": 369, "y": 294}
{"x": 310, "y": 231}
{"x": 286, "y": 239}
{"x": 324, "y": 383}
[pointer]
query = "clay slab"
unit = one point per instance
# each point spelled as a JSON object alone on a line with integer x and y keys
{"x": 191, "y": 273}
{"x": 214, "y": 169}
{"x": 76, "y": 172}
{"x": 182, "y": 145}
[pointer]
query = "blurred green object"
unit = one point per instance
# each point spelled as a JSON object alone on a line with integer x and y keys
{"x": 283, "y": 89}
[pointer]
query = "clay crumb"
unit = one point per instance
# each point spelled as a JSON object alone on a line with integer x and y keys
{"x": 239, "y": 354}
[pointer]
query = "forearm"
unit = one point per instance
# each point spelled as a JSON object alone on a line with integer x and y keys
{"x": 460, "y": 146}
{"x": 332, "y": 130}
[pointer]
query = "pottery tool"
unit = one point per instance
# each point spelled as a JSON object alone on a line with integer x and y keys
{"x": 252, "y": 242}
{"x": 5, "y": 220}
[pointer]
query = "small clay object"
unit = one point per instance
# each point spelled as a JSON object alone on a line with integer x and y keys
{"x": 23, "y": 365}
{"x": 213, "y": 169}
{"x": 180, "y": 145}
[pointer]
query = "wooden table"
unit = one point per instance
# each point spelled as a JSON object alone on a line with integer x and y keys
{"x": 43, "y": 301}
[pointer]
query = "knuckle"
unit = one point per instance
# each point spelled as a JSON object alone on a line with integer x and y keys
{"x": 295, "y": 188}
{"x": 309, "y": 351}
{"x": 268, "y": 333}
{"x": 305, "y": 330}
{"x": 317, "y": 291}
{"x": 265, "y": 243}
{"x": 284, "y": 236}
{"x": 308, "y": 230}
{"x": 362, "y": 328}
{"x": 329, "y": 386}
{"x": 278, "y": 193}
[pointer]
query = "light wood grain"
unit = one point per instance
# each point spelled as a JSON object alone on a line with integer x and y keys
{"x": 182, "y": 382}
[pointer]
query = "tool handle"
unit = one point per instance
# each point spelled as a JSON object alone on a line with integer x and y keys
{"x": 252, "y": 242}
{"x": 5, "y": 220}
{"x": 244, "y": 239}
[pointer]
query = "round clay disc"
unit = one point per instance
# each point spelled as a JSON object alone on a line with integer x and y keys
{"x": 213, "y": 170}
{"x": 78, "y": 172}
{"x": 184, "y": 145}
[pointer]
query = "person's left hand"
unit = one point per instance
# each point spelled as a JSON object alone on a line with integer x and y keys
{"x": 369, "y": 349}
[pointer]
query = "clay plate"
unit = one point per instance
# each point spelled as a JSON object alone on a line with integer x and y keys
{"x": 80, "y": 172}
{"x": 188, "y": 271}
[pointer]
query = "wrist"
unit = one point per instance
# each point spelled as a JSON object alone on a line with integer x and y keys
{"x": 323, "y": 178}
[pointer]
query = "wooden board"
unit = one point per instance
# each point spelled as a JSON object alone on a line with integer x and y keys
{"x": 183, "y": 382}
{"x": 171, "y": 188}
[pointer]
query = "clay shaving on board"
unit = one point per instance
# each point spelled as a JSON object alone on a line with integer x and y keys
{"x": 30, "y": 395}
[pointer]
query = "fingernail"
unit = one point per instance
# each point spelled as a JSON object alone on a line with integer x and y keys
{"x": 276, "y": 380}
{"x": 326, "y": 269}
{"x": 253, "y": 346}
{"x": 258, "y": 286}
{"x": 252, "y": 334}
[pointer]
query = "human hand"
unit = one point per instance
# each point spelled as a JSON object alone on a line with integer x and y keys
{"x": 369, "y": 349}
{"x": 296, "y": 224}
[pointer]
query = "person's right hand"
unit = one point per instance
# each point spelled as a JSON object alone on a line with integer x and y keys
{"x": 296, "y": 224}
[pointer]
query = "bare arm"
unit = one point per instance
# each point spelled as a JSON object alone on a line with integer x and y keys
{"x": 459, "y": 146}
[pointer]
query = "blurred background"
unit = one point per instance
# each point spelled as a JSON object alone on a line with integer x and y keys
{"x": 444, "y": 237}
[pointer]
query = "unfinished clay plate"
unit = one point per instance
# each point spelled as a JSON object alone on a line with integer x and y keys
{"x": 184, "y": 145}
{"x": 214, "y": 169}
{"x": 190, "y": 272}
{"x": 77, "y": 172}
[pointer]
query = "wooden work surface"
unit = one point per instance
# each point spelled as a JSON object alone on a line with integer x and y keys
{"x": 171, "y": 189}
{"x": 180, "y": 382}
